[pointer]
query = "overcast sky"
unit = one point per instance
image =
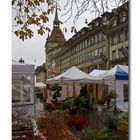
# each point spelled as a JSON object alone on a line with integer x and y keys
{"x": 33, "y": 49}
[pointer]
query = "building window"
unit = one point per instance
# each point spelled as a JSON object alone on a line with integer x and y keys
{"x": 96, "y": 53}
{"x": 104, "y": 50}
{"x": 89, "y": 55}
{"x": 120, "y": 55}
{"x": 88, "y": 42}
{"x": 125, "y": 92}
{"x": 93, "y": 54}
{"x": 96, "y": 38}
{"x": 100, "y": 51}
{"x": 104, "y": 37}
{"x": 115, "y": 40}
{"x": 122, "y": 37}
{"x": 113, "y": 54}
{"x": 80, "y": 46}
{"x": 105, "y": 19}
{"x": 92, "y": 40}
{"x": 80, "y": 59}
{"x": 83, "y": 58}
{"x": 123, "y": 17}
{"x": 97, "y": 23}
{"x": 114, "y": 23}
{"x": 86, "y": 56}
{"x": 100, "y": 37}
{"x": 83, "y": 45}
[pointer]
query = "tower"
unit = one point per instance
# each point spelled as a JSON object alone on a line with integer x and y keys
{"x": 53, "y": 42}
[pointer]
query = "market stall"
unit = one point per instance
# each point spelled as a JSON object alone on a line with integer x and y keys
{"x": 99, "y": 88}
{"x": 117, "y": 81}
{"x": 75, "y": 74}
{"x": 23, "y": 103}
{"x": 71, "y": 80}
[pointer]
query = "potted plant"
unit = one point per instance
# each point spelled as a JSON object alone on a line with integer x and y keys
{"x": 81, "y": 101}
{"x": 111, "y": 121}
{"x": 89, "y": 134}
{"x": 100, "y": 104}
{"x": 103, "y": 134}
{"x": 78, "y": 121}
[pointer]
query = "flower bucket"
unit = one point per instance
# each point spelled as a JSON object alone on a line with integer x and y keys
{"x": 100, "y": 108}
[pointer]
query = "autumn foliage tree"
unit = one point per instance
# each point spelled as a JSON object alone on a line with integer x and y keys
{"x": 36, "y": 12}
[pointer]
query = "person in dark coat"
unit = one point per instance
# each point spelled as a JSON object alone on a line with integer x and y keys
{"x": 83, "y": 91}
{"x": 108, "y": 101}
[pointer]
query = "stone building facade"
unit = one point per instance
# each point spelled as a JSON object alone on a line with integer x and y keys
{"x": 102, "y": 44}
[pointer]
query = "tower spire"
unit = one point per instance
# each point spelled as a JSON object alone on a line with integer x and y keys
{"x": 56, "y": 21}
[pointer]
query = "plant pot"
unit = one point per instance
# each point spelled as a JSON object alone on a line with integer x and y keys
{"x": 100, "y": 108}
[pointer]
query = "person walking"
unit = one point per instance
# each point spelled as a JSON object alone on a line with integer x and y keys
{"x": 91, "y": 96}
{"x": 108, "y": 101}
{"x": 83, "y": 91}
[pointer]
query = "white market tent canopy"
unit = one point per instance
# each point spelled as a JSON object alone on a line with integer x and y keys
{"x": 40, "y": 84}
{"x": 97, "y": 72}
{"x": 118, "y": 77}
{"x": 119, "y": 72}
{"x": 75, "y": 74}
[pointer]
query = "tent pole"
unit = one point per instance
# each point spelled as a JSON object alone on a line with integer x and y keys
{"x": 115, "y": 108}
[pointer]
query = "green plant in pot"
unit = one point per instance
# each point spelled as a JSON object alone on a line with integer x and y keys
{"x": 103, "y": 134}
{"x": 72, "y": 107}
{"x": 89, "y": 134}
{"x": 70, "y": 104}
{"x": 111, "y": 121}
{"x": 81, "y": 101}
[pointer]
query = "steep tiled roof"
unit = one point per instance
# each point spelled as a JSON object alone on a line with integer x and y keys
{"x": 56, "y": 36}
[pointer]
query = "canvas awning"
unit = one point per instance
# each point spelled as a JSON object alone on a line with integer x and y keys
{"x": 97, "y": 72}
{"x": 75, "y": 74}
{"x": 119, "y": 72}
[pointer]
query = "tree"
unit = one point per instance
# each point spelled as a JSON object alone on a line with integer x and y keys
{"x": 36, "y": 12}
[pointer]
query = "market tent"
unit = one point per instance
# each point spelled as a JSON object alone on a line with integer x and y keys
{"x": 119, "y": 72}
{"x": 23, "y": 98}
{"x": 98, "y": 87}
{"x": 75, "y": 74}
{"x": 97, "y": 72}
{"x": 117, "y": 79}
{"x": 40, "y": 84}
